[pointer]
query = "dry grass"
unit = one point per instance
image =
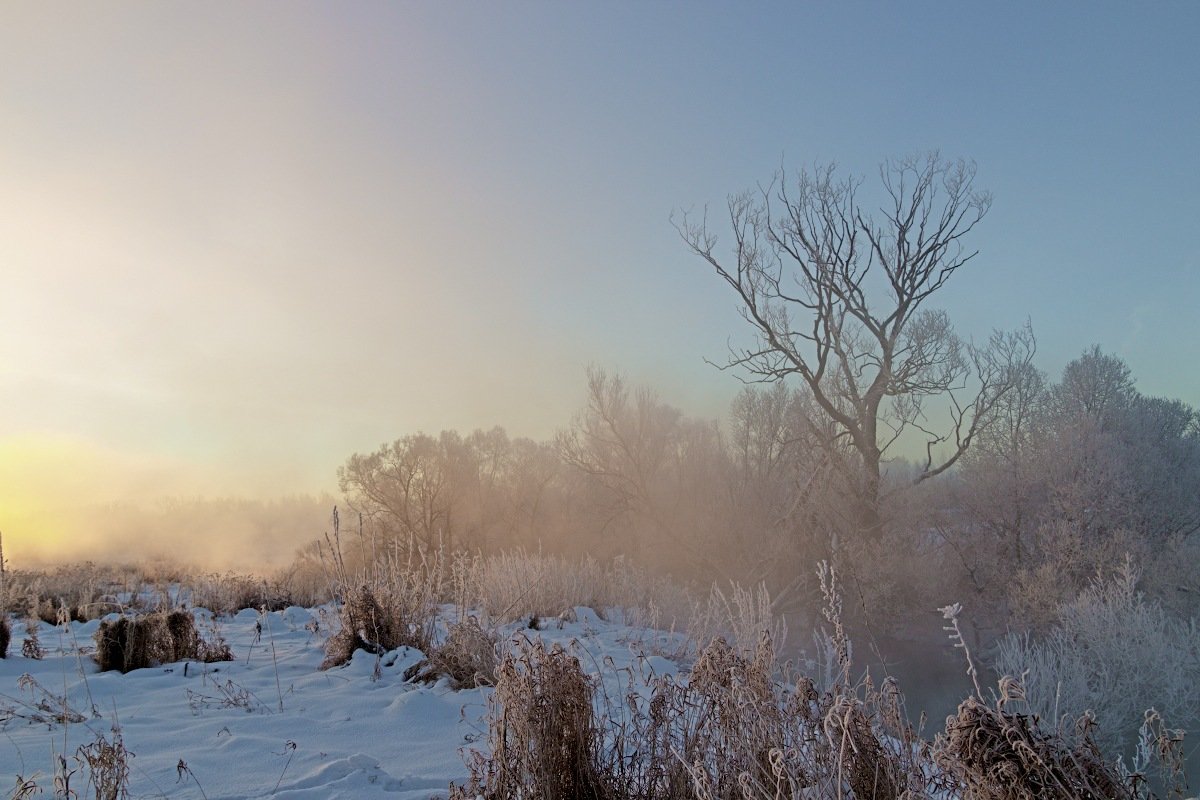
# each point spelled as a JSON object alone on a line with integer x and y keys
{"x": 736, "y": 729}
{"x": 379, "y": 619}
{"x": 741, "y": 727}
{"x": 129, "y": 643}
{"x": 468, "y": 657}
{"x": 229, "y": 593}
{"x": 733, "y": 731}
{"x": 1000, "y": 755}
{"x": 520, "y": 584}
{"x": 545, "y": 741}
{"x": 89, "y": 591}
{"x": 740, "y": 616}
{"x": 86, "y": 590}
{"x": 108, "y": 766}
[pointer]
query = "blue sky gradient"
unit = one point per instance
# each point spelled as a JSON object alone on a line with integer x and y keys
{"x": 239, "y": 242}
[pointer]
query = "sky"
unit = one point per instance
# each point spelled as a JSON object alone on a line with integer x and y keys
{"x": 241, "y": 241}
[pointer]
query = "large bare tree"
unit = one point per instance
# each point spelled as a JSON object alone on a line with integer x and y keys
{"x": 838, "y": 297}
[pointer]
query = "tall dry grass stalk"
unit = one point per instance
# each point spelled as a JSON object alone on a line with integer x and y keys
{"x": 543, "y": 733}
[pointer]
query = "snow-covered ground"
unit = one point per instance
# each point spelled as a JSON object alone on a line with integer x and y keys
{"x": 357, "y": 731}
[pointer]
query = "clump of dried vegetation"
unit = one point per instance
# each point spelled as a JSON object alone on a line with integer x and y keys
{"x": 129, "y": 643}
{"x": 999, "y": 754}
{"x": 468, "y": 657}
{"x": 543, "y": 731}
{"x": 102, "y": 765}
{"x": 107, "y": 763}
{"x": 86, "y": 591}
{"x": 229, "y": 593}
{"x": 378, "y": 619}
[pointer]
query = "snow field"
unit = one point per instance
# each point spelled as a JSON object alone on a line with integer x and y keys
{"x": 357, "y": 731}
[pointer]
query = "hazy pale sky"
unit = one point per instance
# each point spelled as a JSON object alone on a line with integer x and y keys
{"x": 241, "y": 241}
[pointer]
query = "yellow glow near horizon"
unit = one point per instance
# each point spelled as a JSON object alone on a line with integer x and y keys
{"x": 65, "y": 500}
{"x": 34, "y": 516}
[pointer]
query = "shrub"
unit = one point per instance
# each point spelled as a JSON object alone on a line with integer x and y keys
{"x": 31, "y": 646}
{"x": 5, "y": 634}
{"x": 1112, "y": 652}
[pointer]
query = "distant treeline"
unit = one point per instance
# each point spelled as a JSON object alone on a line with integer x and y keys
{"x": 1060, "y": 483}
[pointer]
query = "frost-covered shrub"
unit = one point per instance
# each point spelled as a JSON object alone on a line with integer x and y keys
{"x": 1113, "y": 652}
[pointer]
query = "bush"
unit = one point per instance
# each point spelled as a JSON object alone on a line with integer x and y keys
{"x": 1114, "y": 653}
{"x": 129, "y": 643}
{"x": 31, "y": 646}
{"x": 5, "y": 634}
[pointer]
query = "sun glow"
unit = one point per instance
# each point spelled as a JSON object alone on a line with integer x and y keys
{"x": 37, "y": 493}
{"x": 51, "y": 487}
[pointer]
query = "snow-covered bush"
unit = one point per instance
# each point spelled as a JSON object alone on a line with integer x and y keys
{"x": 1112, "y": 652}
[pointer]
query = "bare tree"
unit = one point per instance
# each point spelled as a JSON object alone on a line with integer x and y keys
{"x": 838, "y": 296}
{"x": 660, "y": 474}
{"x": 404, "y": 487}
